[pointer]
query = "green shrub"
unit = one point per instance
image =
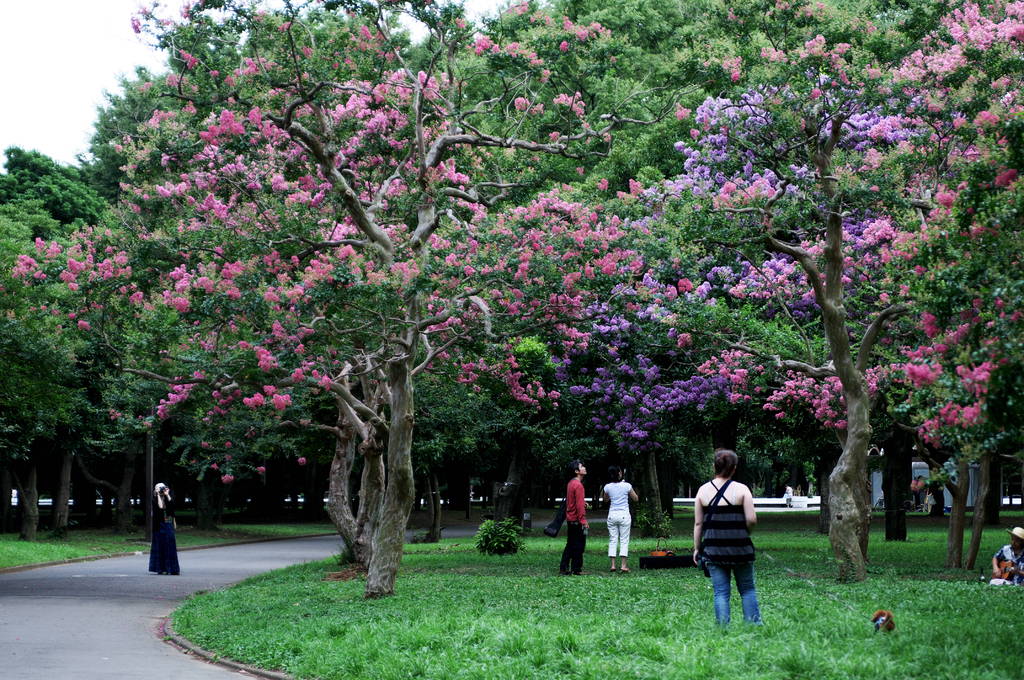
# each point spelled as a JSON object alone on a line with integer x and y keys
{"x": 653, "y": 523}
{"x": 499, "y": 538}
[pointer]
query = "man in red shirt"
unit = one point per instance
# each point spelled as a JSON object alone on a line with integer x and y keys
{"x": 576, "y": 521}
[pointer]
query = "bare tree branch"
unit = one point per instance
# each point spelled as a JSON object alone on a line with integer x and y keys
{"x": 818, "y": 372}
{"x": 871, "y": 335}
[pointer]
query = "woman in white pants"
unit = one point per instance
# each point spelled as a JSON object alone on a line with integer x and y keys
{"x": 618, "y": 494}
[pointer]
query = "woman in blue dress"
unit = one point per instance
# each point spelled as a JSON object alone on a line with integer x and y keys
{"x": 163, "y": 553}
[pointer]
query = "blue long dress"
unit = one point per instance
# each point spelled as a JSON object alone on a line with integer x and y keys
{"x": 163, "y": 552}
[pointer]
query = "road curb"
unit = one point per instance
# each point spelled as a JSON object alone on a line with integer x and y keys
{"x": 93, "y": 558}
{"x": 166, "y": 631}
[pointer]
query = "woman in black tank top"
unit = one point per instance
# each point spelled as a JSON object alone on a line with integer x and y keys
{"x": 721, "y": 538}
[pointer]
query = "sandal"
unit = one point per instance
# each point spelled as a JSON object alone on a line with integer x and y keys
{"x": 612, "y": 569}
{"x": 624, "y": 570}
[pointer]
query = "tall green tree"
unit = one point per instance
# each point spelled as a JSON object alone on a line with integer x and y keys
{"x": 62, "y": 190}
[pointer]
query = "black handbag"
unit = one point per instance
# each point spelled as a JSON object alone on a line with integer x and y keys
{"x": 555, "y": 525}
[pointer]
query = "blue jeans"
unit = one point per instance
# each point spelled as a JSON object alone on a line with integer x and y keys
{"x": 744, "y": 583}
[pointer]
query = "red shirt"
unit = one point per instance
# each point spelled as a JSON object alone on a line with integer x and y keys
{"x": 575, "y": 506}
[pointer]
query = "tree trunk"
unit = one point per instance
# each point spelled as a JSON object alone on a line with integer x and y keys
{"x": 957, "y": 516}
{"x": 28, "y": 501}
{"x": 63, "y": 495}
{"x": 896, "y": 484}
{"x": 209, "y": 502}
{"x": 6, "y": 486}
{"x": 723, "y": 432}
{"x": 123, "y": 491}
{"x": 123, "y": 509}
{"x": 980, "y": 509}
{"x": 389, "y": 534}
{"x": 356, "y": 521}
{"x": 508, "y": 492}
{"x": 434, "y": 504}
{"x": 652, "y": 490}
{"x": 826, "y": 463}
{"x": 849, "y": 500}
{"x": 994, "y": 499}
{"x": 339, "y": 495}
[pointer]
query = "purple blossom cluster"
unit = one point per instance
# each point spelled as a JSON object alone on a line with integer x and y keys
{"x": 719, "y": 158}
{"x": 631, "y": 391}
{"x": 637, "y": 381}
{"x": 863, "y": 131}
{"x": 632, "y": 402}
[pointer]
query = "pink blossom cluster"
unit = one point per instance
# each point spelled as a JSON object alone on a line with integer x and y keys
{"x": 178, "y": 393}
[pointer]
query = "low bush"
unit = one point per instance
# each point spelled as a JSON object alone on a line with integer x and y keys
{"x": 503, "y": 537}
{"x": 653, "y": 523}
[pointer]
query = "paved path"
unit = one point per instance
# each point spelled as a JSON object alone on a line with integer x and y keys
{"x": 97, "y": 620}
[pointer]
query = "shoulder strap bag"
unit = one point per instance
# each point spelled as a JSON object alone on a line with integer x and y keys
{"x": 701, "y": 557}
{"x": 552, "y": 528}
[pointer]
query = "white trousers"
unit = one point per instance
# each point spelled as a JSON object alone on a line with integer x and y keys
{"x": 618, "y": 533}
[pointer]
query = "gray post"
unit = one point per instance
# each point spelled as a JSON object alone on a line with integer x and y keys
{"x": 148, "y": 494}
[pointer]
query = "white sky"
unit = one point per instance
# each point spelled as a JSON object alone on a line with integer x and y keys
{"x": 57, "y": 57}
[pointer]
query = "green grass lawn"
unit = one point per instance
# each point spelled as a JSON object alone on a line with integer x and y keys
{"x": 88, "y": 542}
{"x": 459, "y": 614}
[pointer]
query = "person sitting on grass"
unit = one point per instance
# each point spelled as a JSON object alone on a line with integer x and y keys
{"x": 1008, "y": 562}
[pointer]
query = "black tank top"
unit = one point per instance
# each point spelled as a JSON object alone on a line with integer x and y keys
{"x": 724, "y": 536}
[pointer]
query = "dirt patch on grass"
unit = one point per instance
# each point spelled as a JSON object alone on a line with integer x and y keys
{"x": 345, "y": 574}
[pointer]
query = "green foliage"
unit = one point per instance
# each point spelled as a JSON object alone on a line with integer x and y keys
{"x": 26, "y": 220}
{"x": 499, "y": 538}
{"x": 652, "y": 522}
{"x": 61, "y": 190}
{"x": 35, "y": 397}
{"x": 455, "y": 423}
{"x": 120, "y": 117}
{"x": 534, "y": 358}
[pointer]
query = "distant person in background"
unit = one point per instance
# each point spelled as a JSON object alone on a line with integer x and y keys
{"x": 917, "y": 488}
{"x": 163, "y": 553}
{"x": 618, "y": 494}
{"x": 723, "y": 515}
{"x": 576, "y": 522}
{"x": 1008, "y": 562}
{"x": 929, "y": 501}
{"x": 787, "y": 496}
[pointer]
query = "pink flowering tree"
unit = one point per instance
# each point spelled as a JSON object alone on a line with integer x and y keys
{"x": 317, "y": 208}
{"x": 827, "y": 171}
{"x": 962, "y": 377}
{"x": 802, "y": 185}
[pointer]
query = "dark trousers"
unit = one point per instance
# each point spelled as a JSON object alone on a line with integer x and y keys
{"x": 575, "y": 544}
